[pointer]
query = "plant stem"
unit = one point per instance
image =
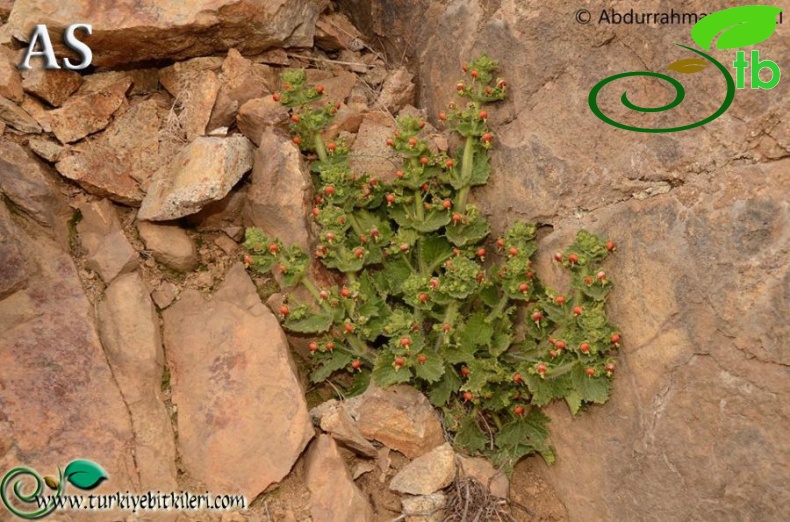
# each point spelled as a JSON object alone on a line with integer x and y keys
{"x": 319, "y": 147}
{"x": 498, "y": 308}
{"x": 361, "y": 348}
{"x": 466, "y": 172}
{"x": 314, "y": 292}
{"x": 355, "y": 225}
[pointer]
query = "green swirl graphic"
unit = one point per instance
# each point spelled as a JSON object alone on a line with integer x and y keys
{"x": 680, "y": 94}
{"x": 29, "y": 498}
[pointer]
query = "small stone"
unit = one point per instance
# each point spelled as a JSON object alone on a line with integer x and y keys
{"x": 198, "y": 100}
{"x": 235, "y": 233}
{"x": 425, "y": 508}
{"x": 399, "y": 417}
{"x": 109, "y": 252}
{"x": 482, "y": 470}
{"x": 203, "y": 172}
{"x": 52, "y": 86}
{"x": 241, "y": 80}
{"x": 361, "y": 467}
{"x": 226, "y": 244}
{"x": 83, "y": 115}
{"x": 46, "y": 149}
{"x": 347, "y": 119}
{"x": 15, "y": 117}
{"x": 204, "y": 280}
{"x": 397, "y": 91}
{"x": 165, "y": 294}
{"x": 333, "y": 495}
{"x": 272, "y": 57}
{"x": 427, "y": 474}
{"x": 170, "y": 245}
{"x": 337, "y": 88}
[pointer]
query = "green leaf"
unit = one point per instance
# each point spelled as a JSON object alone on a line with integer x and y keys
{"x": 591, "y": 389}
{"x": 385, "y": 374}
{"x": 476, "y": 331}
{"x": 313, "y": 323}
{"x": 432, "y": 369}
{"x": 742, "y": 26}
{"x": 338, "y": 361}
{"x": 393, "y": 275}
{"x": 448, "y": 385}
{"x": 502, "y": 341}
{"x": 359, "y": 384}
{"x": 470, "y": 437}
{"x": 481, "y": 373}
{"x": 574, "y": 401}
{"x": 84, "y": 474}
{"x": 435, "y": 249}
{"x": 480, "y": 168}
{"x": 432, "y": 221}
{"x": 470, "y": 233}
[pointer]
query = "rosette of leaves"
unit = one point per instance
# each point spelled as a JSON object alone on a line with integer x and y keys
{"x": 429, "y": 300}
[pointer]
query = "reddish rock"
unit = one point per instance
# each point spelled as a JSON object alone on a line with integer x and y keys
{"x": 45, "y": 149}
{"x": 14, "y": 271}
{"x": 333, "y": 495}
{"x": 52, "y": 86}
{"x": 15, "y": 117}
{"x": 241, "y": 80}
{"x": 123, "y": 33}
{"x": 144, "y": 81}
{"x": 335, "y": 420}
{"x": 129, "y": 328}
{"x": 399, "y": 417}
{"x": 335, "y": 32}
{"x": 258, "y": 114}
{"x": 428, "y": 473}
{"x": 83, "y": 115}
{"x": 481, "y": 469}
{"x": 170, "y": 245}
{"x": 117, "y": 162}
{"x": 280, "y": 191}
{"x": 370, "y": 153}
{"x": 242, "y": 418}
{"x": 176, "y": 77}
{"x": 398, "y": 91}
{"x": 108, "y": 251}
{"x": 10, "y": 81}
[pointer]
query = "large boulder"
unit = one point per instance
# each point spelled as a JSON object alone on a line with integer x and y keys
{"x": 124, "y": 33}
{"x": 695, "y": 426}
{"x": 242, "y": 417}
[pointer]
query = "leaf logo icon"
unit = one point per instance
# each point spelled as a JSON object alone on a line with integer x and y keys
{"x": 688, "y": 65}
{"x": 84, "y": 474}
{"x": 741, "y": 26}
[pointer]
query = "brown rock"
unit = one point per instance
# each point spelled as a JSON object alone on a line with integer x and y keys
{"x": 10, "y": 81}
{"x": 427, "y": 474}
{"x": 223, "y": 214}
{"x": 198, "y": 104}
{"x": 5, "y": 9}
{"x": 170, "y": 245}
{"x": 123, "y": 33}
{"x": 256, "y": 115}
{"x": 203, "y": 172}
{"x": 144, "y": 81}
{"x": 333, "y": 495}
{"x": 55, "y": 372}
{"x": 83, "y": 115}
{"x": 52, "y": 86}
{"x": 226, "y": 244}
{"x": 482, "y": 470}
{"x": 46, "y": 149}
{"x": 35, "y": 108}
{"x": 15, "y": 117}
{"x": 337, "y": 422}
{"x": 399, "y": 417}
{"x": 242, "y": 418}
{"x": 272, "y": 57}
{"x": 337, "y": 88}
{"x": 108, "y": 252}
{"x": 14, "y": 271}
{"x": 346, "y": 120}
{"x": 175, "y": 77}
{"x": 334, "y": 32}
{"x": 129, "y": 328}
{"x": 241, "y": 80}
{"x": 117, "y": 162}
{"x": 280, "y": 191}
{"x": 398, "y": 90}
{"x": 370, "y": 154}
{"x": 31, "y": 187}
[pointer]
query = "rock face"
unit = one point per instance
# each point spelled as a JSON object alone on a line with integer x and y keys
{"x": 242, "y": 418}
{"x": 123, "y": 33}
{"x": 694, "y": 428}
{"x": 203, "y": 172}
{"x": 399, "y": 417}
{"x": 129, "y": 330}
{"x": 333, "y": 495}
{"x": 52, "y": 86}
{"x": 370, "y": 153}
{"x": 280, "y": 191}
{"x": 59, "y": 399}
{"x": 89, "y": 113}
{"x": 14, "y": 116}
